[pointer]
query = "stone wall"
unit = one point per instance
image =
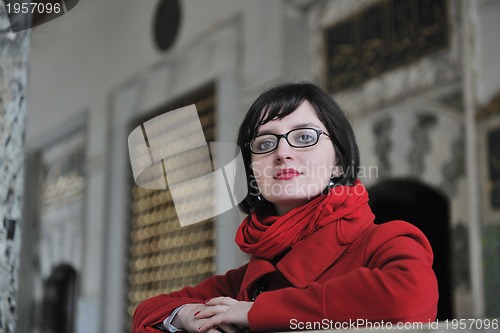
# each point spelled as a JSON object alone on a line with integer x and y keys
{"x": 13, "y": 78}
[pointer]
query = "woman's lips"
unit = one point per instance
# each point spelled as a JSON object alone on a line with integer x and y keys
{"x": 285, "y": 174}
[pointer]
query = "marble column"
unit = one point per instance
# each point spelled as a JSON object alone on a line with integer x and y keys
{"x": 14, "y": 50}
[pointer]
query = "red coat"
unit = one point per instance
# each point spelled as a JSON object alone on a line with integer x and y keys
{"x": 340, "y": 273}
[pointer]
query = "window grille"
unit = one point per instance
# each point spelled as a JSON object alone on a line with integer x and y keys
{"x": 163, "y": 256}
{"x": 381, "y": 37}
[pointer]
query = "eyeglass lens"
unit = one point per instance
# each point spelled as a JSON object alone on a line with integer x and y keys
{"x": 298, "y": 138}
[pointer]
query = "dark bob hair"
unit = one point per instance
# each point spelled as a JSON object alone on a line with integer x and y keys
{"x": 280, "y": 101}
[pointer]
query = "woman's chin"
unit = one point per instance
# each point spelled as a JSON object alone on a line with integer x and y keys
{"x": 292, "y": 192}
{"x": 283, "y": 205}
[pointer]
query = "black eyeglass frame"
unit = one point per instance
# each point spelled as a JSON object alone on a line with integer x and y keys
{"x": 285, "y": 135}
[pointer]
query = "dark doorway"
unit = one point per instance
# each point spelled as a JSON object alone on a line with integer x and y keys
{"x": 59, "y": 301}
{"x": 427, "y": 209}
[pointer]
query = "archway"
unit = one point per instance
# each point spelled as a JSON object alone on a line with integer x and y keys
{"x": 59, "y": 301}
{"x": 427, "y": 209}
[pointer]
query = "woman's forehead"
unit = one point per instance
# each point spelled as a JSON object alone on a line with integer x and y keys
{"x": 303, "y": 116}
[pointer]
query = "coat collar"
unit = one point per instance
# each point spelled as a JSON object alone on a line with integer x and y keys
{"x": 310, "y": 258}
{"x": 320, "y": 251}
{"x": 313, "y": 256}
{"x": 304, "y": 263}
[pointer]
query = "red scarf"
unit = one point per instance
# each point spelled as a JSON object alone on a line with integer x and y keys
{"x": 269, "y": 236}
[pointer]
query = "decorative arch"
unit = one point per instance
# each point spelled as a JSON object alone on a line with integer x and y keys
{"x": 59, "y": 300}
{"x": 428, "y": 209}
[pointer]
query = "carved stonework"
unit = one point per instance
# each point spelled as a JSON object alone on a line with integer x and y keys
{"x": 14, "y": 49}
{"x": 421, "y": 143}
{"x": 454, "y": 100}
{"x": 383, "y": 36}
{"x": 62, "y": 186}
{"x": 454, "y": 169}
{"x": 491, "y": 109}
{"x": 382, "y": 130}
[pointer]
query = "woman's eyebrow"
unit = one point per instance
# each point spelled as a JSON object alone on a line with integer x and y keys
{"x": 259, "y": 132}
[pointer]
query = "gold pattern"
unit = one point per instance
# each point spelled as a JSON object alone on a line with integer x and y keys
{"x": 163, "y": 256}
{"x": 491, "y": 109}
{"x": 383, "y": 36}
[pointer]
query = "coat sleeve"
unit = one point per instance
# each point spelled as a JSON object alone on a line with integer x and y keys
{"x": 155, "y": 309}
{"x": 397, "y": 284}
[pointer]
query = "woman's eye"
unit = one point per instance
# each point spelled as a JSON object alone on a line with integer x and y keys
{"x": 265, "y": 145}
{"x": 304, "y": 138}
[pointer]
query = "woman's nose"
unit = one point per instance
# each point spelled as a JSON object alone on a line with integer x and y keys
{"x": 283, "y": 151}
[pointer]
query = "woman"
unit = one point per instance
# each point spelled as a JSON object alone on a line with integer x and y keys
{"x": 316, "y": 255}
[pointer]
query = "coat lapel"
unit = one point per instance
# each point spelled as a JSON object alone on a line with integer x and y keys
{"x": 310, "y": 258}
{"x": 313, "y": 256}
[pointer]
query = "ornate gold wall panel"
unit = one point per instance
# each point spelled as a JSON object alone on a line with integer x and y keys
{"x": 489, "y": 110}
{"x": 383, "y": 36}
{"x": 163, "y": 256}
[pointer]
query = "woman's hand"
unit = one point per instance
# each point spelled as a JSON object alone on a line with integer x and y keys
{"x": 185, "y": 319}
{"x": 225, "y": 313}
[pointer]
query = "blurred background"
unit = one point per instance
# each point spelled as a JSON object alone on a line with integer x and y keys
{"x": 81, "y": 245}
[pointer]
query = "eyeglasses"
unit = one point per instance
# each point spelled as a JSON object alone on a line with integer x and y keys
{"x": 297, "y": 138}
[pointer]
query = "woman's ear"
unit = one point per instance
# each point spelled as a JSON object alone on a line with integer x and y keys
{"x": 337, "y": 172}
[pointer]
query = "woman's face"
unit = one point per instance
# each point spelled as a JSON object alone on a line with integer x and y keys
{"x": 289, "y": 177}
